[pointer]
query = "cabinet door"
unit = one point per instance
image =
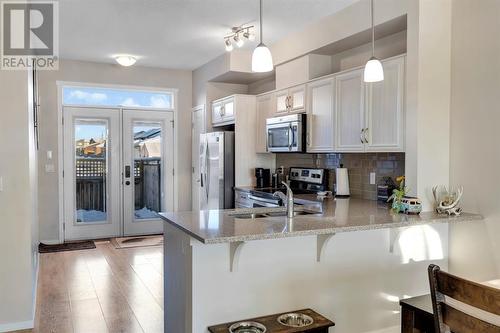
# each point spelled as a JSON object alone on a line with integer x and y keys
{"x": 320, "y": 116}
{"x": 297, "y": 98}
{"x": 228, "y": 109}
{"x": 216, "y": 112}
{"x": 264, "y": 111}
{"x": 385, "y": 126}
{"x": 350, "y": 111}
{"x": 282, "y": 101}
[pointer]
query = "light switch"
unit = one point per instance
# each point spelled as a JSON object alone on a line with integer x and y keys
{"x": 1, "y": 184}
{"x": 49, "y": 168}
{"x": 49, "y": 154}
{"x": 372, "y": 178}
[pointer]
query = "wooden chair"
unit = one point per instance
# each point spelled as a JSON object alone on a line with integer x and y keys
{"x": 462, "y": 306}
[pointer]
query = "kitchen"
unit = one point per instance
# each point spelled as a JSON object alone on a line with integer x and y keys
{"x": 318, "y": 150}
{"x": 253, "y": 166}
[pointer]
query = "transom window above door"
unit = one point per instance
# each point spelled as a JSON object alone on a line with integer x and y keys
{"x": 113, "y": 97}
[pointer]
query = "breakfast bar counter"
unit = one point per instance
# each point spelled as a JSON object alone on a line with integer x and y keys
{"x": 351, "y": 260}
{"x": 327, "y": 216}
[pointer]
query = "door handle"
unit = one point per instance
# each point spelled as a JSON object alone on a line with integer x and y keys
{"x": 201, "y": 180}
{"x": 290, "y": 137}
{"x": 127, "y": 182}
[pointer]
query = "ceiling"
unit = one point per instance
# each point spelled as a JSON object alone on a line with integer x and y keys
{"x": 181, "y": 34}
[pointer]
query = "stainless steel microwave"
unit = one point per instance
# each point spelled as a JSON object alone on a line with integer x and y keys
{"x": 286, "y": 134}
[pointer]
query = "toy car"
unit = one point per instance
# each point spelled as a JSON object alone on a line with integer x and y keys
{"x": 410, "y": 205}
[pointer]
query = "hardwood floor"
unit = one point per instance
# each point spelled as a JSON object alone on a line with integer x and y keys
{"x": 101, "y": 290}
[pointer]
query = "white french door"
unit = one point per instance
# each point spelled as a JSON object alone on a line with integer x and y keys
{"x": 118, "y": 171}
{"x": 147, "y": 169}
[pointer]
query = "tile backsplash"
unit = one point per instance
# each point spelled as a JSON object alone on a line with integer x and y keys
{"x": 359, "y": 166}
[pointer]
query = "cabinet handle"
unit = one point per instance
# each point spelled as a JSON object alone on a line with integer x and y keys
{"x": 222, "y": 110}
{"x": 307, "y": 139}
{"x": 364, "y": 135}
{"x": 361, "y": 135}
{"x": 291, "y": 102}
{"x": 287, "y": 103}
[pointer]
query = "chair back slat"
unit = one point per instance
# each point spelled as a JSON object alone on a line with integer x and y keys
{"x": 463, "y": 306}
{"x": 461, "y": 322}
{"x": 477, "y": 295}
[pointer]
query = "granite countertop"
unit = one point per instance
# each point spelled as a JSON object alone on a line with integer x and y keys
{"x": 333, "y": 216}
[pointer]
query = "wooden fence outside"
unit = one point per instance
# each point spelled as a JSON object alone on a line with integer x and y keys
{"x": 91, "y": 183}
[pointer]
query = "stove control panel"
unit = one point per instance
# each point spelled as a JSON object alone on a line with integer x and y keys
{"x": 315, "y": 176}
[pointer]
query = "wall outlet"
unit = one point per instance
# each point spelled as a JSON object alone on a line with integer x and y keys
{"x": 372, "y": 178}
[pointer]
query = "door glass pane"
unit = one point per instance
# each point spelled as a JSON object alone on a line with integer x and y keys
{"x": 147, "y": 169}
{"x": 91, "y": 161}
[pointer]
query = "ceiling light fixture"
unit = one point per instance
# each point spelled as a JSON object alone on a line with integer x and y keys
{"x": 374, "y": 72}
{"x": 239, "y": 42}
{"x": 229, "y": 46}
{"x": 125, "y": 60}
{"x": 262, "y": 60}
{"x": 249, "y": 35}
{"x": 238, "y": 36}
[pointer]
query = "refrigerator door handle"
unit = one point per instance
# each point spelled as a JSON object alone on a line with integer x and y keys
{"x": 207, "y": 171}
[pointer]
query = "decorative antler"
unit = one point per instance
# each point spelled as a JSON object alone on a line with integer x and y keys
{"x": 451, "y": 199}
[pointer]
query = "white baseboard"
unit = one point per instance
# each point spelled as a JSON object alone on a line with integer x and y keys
{"x": 24, "y": 325}
{"x": 50, "y": 241}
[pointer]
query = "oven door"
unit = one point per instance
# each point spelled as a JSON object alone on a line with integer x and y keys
{"x": 279, "y": 137}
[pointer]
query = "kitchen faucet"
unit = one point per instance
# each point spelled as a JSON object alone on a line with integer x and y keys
{"x": 288, "y": 199}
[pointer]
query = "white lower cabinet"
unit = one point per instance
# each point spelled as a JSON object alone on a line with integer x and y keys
{"x": 321, "y": 116}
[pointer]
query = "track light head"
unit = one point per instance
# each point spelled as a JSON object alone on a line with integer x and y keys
{"x": 229, "y": 46}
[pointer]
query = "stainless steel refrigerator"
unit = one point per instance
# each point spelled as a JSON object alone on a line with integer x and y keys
{"x": 217, "y": 170}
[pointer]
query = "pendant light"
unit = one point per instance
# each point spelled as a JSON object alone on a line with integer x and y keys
{"x": 374, "y": 72}
{"x": 262, "y": 60}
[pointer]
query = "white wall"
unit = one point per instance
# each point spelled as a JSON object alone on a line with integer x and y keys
{"x": 78, "y": 71}
{"x": 475, "y": 119}
{"x": 18, "y": 216}
{"x": 428, "y": 92}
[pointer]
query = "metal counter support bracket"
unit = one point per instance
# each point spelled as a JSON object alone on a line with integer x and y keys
{"x": 234, "y": 253}
{"x": 321, "y": 242}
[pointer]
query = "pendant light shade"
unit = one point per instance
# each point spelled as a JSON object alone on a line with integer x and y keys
{"x": 262, "y": 60}
{"x": 374, "y": 72}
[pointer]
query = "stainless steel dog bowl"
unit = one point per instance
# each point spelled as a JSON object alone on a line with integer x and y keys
{"x": 247, "y": 327}
{"x": 295, "y": 320}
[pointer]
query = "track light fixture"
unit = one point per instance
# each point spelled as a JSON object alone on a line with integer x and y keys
{"x": 229, "y": 46}
{"x": 238, "y": 36}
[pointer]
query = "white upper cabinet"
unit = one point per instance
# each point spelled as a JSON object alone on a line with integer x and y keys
{"x": 292, "y": 100}
{"x": 223, "y": 111}
{"x": 264, "y": 111}
{"x": 350, "y": 93}
{"x": 321, "y": 116}
{"x": 370, "y": 116}
{"x": 282, "y": 101}
{"x": 385, "y": 117}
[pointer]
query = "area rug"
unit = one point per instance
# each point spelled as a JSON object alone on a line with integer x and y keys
{"x": 72, "y": 246}
{"x": 139, "y": 241}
